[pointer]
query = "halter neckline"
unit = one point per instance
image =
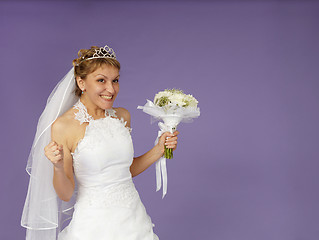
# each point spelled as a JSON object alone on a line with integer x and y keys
{"x": 83, "y": 116}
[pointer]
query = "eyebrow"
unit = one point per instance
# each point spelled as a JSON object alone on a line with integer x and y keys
{"x": 106, "y": 76}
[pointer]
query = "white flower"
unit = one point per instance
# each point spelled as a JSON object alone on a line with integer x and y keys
{"x": 172, "y": 98}
{"x": 192, "y": 102}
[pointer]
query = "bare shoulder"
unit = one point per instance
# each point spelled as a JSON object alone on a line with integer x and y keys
{"x": 125, "y": 114}
{"x": 122, "y": 112}
{"x": 63, "y": 125}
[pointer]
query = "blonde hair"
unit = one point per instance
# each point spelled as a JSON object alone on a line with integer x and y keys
{"x": 83, "y": 67}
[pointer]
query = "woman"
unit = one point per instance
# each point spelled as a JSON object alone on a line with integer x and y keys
{"x": 90, "y": 141}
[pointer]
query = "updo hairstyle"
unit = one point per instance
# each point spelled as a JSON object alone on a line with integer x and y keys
{"x": 83, "y": 67}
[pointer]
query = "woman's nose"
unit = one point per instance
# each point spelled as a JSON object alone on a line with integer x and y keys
{"x": 109, "y": 87}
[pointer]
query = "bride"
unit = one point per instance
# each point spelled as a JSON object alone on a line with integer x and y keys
{"x": 89, "y": 147}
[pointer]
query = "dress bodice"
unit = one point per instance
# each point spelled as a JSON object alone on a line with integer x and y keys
{"x": 104, "y": 155}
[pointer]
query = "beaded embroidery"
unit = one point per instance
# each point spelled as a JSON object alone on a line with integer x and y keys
{"x": 123, "y": 195}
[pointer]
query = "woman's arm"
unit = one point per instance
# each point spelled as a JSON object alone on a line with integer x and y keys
{"x": 59, "y": 154}
{"x": 142, "y": 162}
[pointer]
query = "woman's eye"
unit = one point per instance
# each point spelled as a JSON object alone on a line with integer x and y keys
{"x": 100, "y": 80}
{"x": 115, "y": 80}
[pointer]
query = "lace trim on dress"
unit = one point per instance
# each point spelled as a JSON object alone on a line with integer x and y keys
{"x": 83, "y": 116}
{"x": 110, "y": 112}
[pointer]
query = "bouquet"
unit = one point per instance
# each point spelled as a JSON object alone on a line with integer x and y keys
{"x": 172, "y": 106}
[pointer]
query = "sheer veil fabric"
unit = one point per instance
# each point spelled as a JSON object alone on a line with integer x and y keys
{"x": 43, "y": 212}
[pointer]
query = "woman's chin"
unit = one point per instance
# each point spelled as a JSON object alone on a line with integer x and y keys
{"x": 107, "y": 103}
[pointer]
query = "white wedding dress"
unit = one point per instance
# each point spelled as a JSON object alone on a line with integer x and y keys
{"x": 108, "y": 207}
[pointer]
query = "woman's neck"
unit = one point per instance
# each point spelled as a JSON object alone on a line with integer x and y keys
{"x": 92, "y": 109}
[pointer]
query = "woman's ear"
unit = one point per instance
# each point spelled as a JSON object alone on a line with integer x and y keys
{"x": 81, "y": 83}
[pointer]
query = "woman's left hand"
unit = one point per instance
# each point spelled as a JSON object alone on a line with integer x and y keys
{"x": 169, "y": 140}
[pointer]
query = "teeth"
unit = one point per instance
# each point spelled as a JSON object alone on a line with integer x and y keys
{"x": 106, "y": 97}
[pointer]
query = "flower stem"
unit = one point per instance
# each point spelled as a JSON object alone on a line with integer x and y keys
{"x": 168, "y": 153}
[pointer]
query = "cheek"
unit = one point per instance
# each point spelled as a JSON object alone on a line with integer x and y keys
{"x": 117, "y": 88}
{"x": 94, "y": 90}
{"x": 97, "y": 88}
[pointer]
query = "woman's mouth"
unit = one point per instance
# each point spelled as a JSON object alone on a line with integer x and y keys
{"x": 107, "y": 97}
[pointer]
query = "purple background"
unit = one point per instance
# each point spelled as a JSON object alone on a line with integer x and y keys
{"x": 247, "y": 169}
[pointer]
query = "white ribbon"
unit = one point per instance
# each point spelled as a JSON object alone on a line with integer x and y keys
{"x": 161, "y": 171}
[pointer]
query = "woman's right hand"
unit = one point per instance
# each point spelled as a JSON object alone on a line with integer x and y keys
{"x": 54, "y": 153}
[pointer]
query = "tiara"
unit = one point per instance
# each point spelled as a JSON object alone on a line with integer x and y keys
{"x": 102, "y": 52}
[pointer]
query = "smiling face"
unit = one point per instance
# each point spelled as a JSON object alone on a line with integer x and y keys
{"x": 101, "y": 86}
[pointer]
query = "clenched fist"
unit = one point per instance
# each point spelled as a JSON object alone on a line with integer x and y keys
{"x": 54, "y": 153}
